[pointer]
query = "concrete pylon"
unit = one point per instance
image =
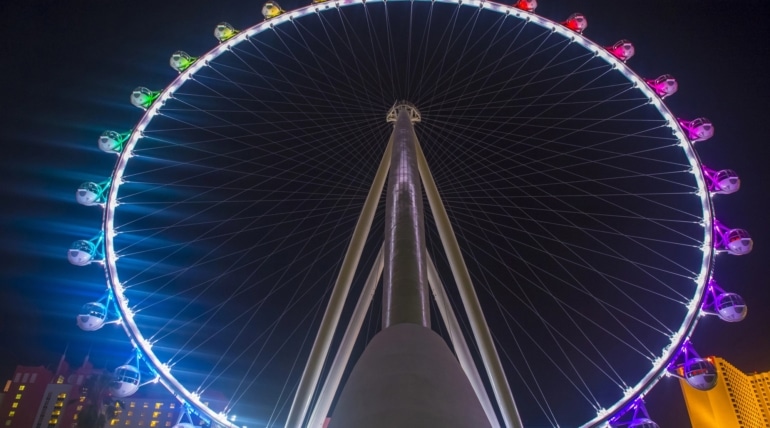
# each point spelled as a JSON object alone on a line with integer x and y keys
{"x": 407, "y": 376}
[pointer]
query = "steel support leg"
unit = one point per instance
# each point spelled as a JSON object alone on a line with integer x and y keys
{"x": 332, "y": 382}
{"x": 458, "y": 342}
{"x": 320, "y": 350}
{"x": 470, "y": 301}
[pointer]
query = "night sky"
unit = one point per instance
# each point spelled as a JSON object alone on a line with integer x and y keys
{"x": 68, "y": 68}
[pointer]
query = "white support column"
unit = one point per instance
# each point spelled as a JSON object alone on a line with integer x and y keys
{"x": 405, "y": 295}
{"x": 332, "y": 382}
{"x": 320, "y": 350}
{"x": 470, "y": 301}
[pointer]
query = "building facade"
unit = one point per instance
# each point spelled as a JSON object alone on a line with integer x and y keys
{"x": 23, "y": 395}
{"x": 146, "y": 412}
{"x": 738, "y": 400}
{"x": 36, "y": 397}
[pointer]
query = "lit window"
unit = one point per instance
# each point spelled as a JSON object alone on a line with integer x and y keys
{"x": 145, "y": 405}
{"x": 21, "y": 387}
{"x": 130, "y": 413}
{"x": 158, "y": 405}
{"x": 63, "y": 395}
{"x": 18, "y": 396}
{"x": 172, "y": 405}
{"x": 14, "y": 405}
{"x": 155, "y": 415}
{"x": 132, "y": 404}
{"x": 168, "y": 424}
{"x": 60, "y": 380}
{"x": 8, "y": 422}
{"x": 11, "y": 413}
{"x": 154, "y": 423}
{"x": 128, "y": 422}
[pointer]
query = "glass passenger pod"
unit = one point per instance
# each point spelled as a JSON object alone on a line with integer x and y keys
{"x": 738, "y": 242}
{"x": 271, "y": 9}
{"x": 92, "y": 316}
{"x": 112, "y": 142}
{"x": 726, "y": 182}
{"x": 731, "y": 307}
{"x": 143, "y": 98}
{"x": 526, "y": 5}
{"x": 734, "y": 241}
{"x": 576, "y": 22}
{"x": 622, "y": 50}
{"x": 181, "y": 61}
{"x": 700, "y": 373}
{"x": 224, "y": 32}
{"x": 700, "y": 129}
{"x": 90, "y": 194}
{"x": 664, "y": 86}
{"x": 633, "y": 415}
{"x": 643, "y": 423}
{"x": 82, "y": 252}
{"x": 125, "y": 382}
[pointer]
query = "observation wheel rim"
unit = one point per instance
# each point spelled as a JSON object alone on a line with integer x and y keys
{"x": 163, "y": 372}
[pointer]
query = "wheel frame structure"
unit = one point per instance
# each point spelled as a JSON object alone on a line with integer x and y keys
{"x": 163, "y": 372}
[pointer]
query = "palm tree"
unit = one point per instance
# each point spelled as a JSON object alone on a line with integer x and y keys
{"x": 99, "y": 406}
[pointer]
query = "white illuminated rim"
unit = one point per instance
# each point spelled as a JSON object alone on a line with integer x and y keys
{"x": 658, "y": 369}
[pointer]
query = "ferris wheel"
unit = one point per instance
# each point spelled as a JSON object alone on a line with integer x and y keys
{"x": 582, "y": 210}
